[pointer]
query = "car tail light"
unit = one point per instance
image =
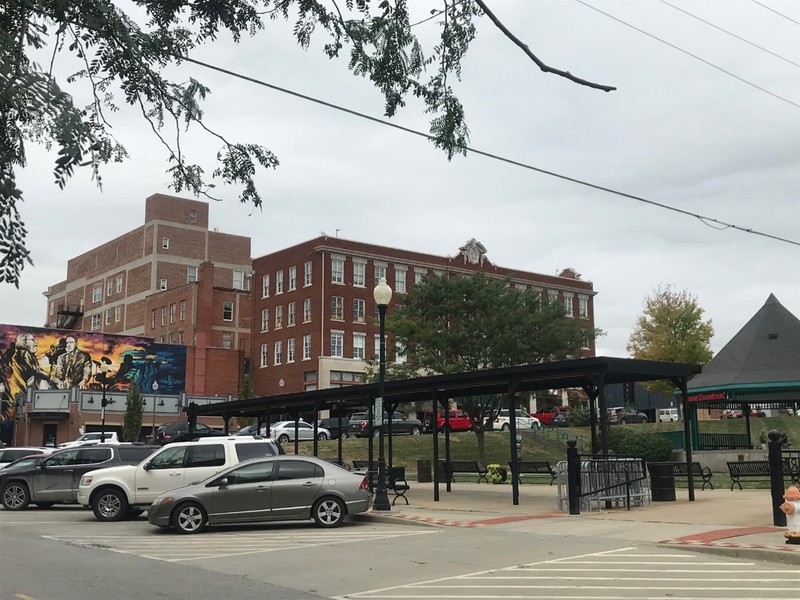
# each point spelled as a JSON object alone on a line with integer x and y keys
{"x": 364, "y": 485}
{"x": 363, "y": 424}
{"x": 167, "y": 436}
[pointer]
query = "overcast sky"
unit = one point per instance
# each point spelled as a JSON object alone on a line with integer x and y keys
{"x": 677, "y": 131}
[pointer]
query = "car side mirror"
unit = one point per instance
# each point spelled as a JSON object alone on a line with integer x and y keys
{"x": 147, "y": 466}
{"x": 221, "y": 482}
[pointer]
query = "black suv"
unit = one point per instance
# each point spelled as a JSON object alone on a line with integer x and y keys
{"x": 359, "y": 426}
{"x": 179, "y": 432}
{"x": 332, "y": 425}
{"x": 56, "y": 478}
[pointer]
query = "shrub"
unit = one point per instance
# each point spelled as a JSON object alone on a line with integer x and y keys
{"x": 653, "y": 447}
{"x": 579, "y": 417}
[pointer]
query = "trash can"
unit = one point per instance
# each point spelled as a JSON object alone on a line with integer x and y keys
{"x": 424, "y": 472}
{"x": 662, "y": 482}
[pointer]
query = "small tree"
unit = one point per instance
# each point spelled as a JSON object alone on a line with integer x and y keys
{"x": 246, "y": 391}
{"x": 132, "y": 422}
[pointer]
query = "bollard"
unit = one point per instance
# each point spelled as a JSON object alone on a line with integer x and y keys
{"x": 791, "y": 508}
{"x": 573, "y": 477}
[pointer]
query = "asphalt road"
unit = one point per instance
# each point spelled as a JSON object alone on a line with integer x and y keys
{"x": 64, "y": 554}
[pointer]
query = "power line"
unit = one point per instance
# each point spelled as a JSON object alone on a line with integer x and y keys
{"x": 709, "y": 221}
{"x": 710, "y": 64}
{"x": 730, "y": 34}
{"x": 776, "y": 12}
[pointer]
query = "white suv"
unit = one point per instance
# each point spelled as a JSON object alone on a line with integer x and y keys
{"x": 126, "y": 491}
{"x": 524, "y": 420}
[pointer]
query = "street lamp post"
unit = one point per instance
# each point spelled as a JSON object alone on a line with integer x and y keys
{"x": 103, "y": 377}
{"x": 155, "y": 389}
{"x": 383, "y": 295}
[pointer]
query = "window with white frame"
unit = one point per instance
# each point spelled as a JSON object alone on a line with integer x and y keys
{"x": 585, "y": 344}
{"x": 238, "y": 280}
{"x": 583, "y": 307}
{"x": 307, "y": 274}
{"x": 359, "y": 345}
{"x": 278, "y": 316}
{"x": 191, "y": 274}
{"x": 163, "y": 284}
{"x": 172, "y": 312}
{"x": 359, "y": 311}
{"x": 310, "y": 381}
{"x": 337, "y": 344}
{"x": 192, "y": 216}
{"x": 568, "y": 305}
{"x": 97, "y": 293}
{"x": 419, "y": 274}
{"x": 290, "y": 350}
{"x": 264, "y": 355}
{"x": 118, "y": 313}
{"x": 265, "y": 286}
{"x": 306, "y": 310}
{"x": 96, "y": 322}
{"x": 290, "y": 317}
{"x": 163, "y": 315}
{"x": 227, "y": 339}
{"x": 306, "y": 347}
{"x": 182, "y": 310}
{"x": 278, "y": 353}
{"x": 400, "y": 279}
{"x": 377, "y": 354}
{"x": 292, "y": 278}
{"x": 109, "y": 287}
{"x": 181, "y": 337}
{"x": 359, "y": 273}
{"x": 165, "y": 243}
{"x": 52, "y": 308}
{"x": 227, "y": 311}
{"x": 380, "y": 271}
{"x": 337, "y": 269}
{"x": 153, "y": 318}
{"x": 264, "y": 319}
{"x": 399, "y": 353}
{"x": 119, "y": 283}
{"x": 337, "y": 308}
{"x": 108, "y": 316}
{"x": 279, "y": 282}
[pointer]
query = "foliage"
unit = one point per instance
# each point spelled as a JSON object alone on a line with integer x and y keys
{"x": 132, "y": 421}
{"x": 246, "y": 391}
{"x": 672, "y": 329}
{"x": 497, "y": 474}
{"x": 123, "y": 60}
{"x": 580, "y": 416}
{"x": 653, "y": 447}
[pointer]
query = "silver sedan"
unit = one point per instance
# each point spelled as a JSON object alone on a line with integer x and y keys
{"x": 278, "y": 488}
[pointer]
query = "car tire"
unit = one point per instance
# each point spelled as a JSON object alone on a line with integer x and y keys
{"x": 622, "y": 421}
{"x": 416, "y": 430}
{"x": 643, "y": 420}
{"x": 376, "y": 433}
{"x": 322, "y": 436}
{"x": 45, "y": 505}
{"x": 505, "y": 427}
{"x": 344, "y": 435}
{"x": 328, "y": 512}
{"x": 16, "y": 496}
{"x": 283, "y": 438}
{"x": 110, "y": 504}
{"x": 189, "y": 518}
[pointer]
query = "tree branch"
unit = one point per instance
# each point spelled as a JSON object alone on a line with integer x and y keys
{"x": 534, "y": 58}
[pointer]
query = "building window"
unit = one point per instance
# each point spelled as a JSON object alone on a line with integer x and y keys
{"x": 171, "y": 338}
{"x": 377, "y": 347}
{"x": 163, "y": 284}
{"x": 117, "y": 313}
{"x": 310, "y": 381}
{"x": 290, "y": 350}
{"x": 153, "y": 318}
{"x": 306, "y": 310}
{"x": 181, "y": 337}
{"x": 307, "y": 274}
{"x": 568, "y": 305}
{"x": 585, "y": 344}
{"x": 306, "y": 347}
{"x": 52, "y": 308}
{"x": 337, "y": 269}
{"x": 163, "y": 339}
{"x": 171, "y": 313}
{"x": 583, "y": 307}
{"x": 97, "y": 293}
{"x": 238, "y": 280}
{"x": 279, "y": 282}
{"x": 264, "y": 355}
{"x": 227, "y": 340}
{"x": 265, "y": 286}
{"x": 337, "y": 308}
{"x": 163, "y": 315}
{"x": 109, "y": 287}
{"x": 192, "y": 216}
{"x": 419, "y": 275}
{"x": 278, "y": 317}
{"x": 359, "y": 311}
{"x": 359, "y": 274}
{"x": 191, "y": 274}
{"x": 264, "y": 319}
{"x": 227, "y": 311}
{"x": 359, "y": 345}
{"x": 290, "y": 317}
{"x": 399, "y": 353}
{"x": 165, "y": 243}
{"x": 400, "y": 280}
{"x": 278, "y": 352}
{"x": 108, "y": 316}
{"x": 95, "y": 322}
{"x": 292, "y": 278}
{"x": 119, "y": 283}
{"x": 182, "y": 310}
{"x": 342, "y": 378}
{"x": 337, "y": 344}
{"x": 380, "y": 271}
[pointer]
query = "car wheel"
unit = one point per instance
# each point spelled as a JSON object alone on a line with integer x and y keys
{"x": 344, "y": 435}
{"x": 376, "y": 433}
{"x": 283, "y": 438}
{"x": 328, "y": 512}
{"x": 505, "y": 427}
{"x": 644, "y": 420}
{"x": 45, "y": 505}
{"x": 416, "y": 430}
{"x": 16, "y": 496}
{"x": 189, "y": 518}
{"x": 622, "y": 421}
{"x": 322, "y": 436}
{"x": 110, "y": 505}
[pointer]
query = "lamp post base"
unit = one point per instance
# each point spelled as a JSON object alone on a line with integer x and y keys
{"x": 381, "y": 501}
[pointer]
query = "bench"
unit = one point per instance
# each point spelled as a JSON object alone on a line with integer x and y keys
{"x": 679, "y": 469}
{"x": 747, "y": 469}
{"x": 396, "y": 478}
{"x": 464, "y": 466}
{"x": 534, "y": 467}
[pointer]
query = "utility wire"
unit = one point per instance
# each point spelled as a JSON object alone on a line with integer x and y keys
{"x": 776, "y": 12}
{"x": 710, "y": 64}
{"x": 730, "y": 34}
{"x": 714, "y": 223}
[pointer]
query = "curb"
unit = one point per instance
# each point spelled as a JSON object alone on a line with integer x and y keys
{"x": 746, "y": 551}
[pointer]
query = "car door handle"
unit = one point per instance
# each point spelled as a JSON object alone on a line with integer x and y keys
{"x": 178, "y": 474}
{"x": 261, "y": 488}
{"x": 309, "y": 484}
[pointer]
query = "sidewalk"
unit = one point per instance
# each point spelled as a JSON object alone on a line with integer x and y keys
{"x": 735, "y": 523}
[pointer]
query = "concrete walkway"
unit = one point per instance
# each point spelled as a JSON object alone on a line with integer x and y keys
{"x": 737, "y": 523}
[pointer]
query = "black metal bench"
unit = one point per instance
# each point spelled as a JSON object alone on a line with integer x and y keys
{"x": 747, "y": 469}
{"x": 464, "y": 466}
{"x": 534, "y": 467}
{"x": 679, "y": 469}
{"x": 398, "y": 483}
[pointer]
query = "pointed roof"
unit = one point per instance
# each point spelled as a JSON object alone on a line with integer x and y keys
{"x": 766, "y": 350}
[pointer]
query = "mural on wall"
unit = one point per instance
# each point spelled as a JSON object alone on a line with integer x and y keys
{"x": 62, "y": 359}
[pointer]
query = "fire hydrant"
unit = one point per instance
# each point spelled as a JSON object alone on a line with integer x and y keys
{"x": 792, "y": 510}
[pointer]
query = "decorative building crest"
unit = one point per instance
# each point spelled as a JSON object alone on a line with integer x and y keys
{"x": 473, "y": 251}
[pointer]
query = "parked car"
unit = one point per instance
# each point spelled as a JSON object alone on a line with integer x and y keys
{"x": 284, "y": 431}
{"x": 23, "y": 463}
{"x": 128, "y": 490}
{"x": 524, "y": 420}
{"x": 169, "y": 433}
{"x": 11, "y": 454}
{"x": 93, "y": 437}
{"x": 561, "y": 419}
{"x": 668, "y": 415}
{"x": 624, "y": 415}
{"x": 55, "y": 479}
{"x": 360, "y": 426}
{"x": 279, "y": 488}
{"x": 457, "y": 420}
{"x": 332, "y": 425}
{"x": 253, "y": 430}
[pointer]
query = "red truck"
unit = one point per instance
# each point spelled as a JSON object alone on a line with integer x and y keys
{"x": 546, "y": 416}
{"x": 457, "y": 419}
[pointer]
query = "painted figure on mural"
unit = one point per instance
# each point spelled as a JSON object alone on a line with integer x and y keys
{"x": 24, "y": 368}
{"x": 73, "y": 367}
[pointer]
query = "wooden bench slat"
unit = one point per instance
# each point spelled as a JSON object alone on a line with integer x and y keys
{"x": 534, "y": 467}
{"x": 464, "y": 466}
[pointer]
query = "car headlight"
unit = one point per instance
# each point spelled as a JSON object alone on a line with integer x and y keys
{"x": 163, "y": 500}
{"x": 86, "y": 480}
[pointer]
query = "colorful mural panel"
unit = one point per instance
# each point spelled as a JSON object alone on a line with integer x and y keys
{"x": 61, "y": 359}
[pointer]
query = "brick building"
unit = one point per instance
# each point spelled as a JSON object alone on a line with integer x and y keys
{"x": 315, "y": 319}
